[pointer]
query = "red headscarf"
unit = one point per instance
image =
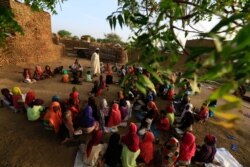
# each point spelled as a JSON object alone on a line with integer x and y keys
{"x": 97, "y": 137}
{"x": 30, "y": 97}
{"x": 188, "y": 147}
{"x": 131, "y": 139}
{"x": 147, "y": 147}
{"x": 115, "y": 116}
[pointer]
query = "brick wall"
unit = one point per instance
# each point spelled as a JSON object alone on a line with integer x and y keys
{"x": 36, "y": 44}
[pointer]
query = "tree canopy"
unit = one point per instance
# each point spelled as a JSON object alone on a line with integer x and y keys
{"x": 156, "y": 23}
{"x": 64, "y": 33}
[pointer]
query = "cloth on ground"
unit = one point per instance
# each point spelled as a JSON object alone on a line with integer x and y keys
{"x": 223, "y": 158}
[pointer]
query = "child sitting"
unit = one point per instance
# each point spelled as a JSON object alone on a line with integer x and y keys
{"x": 76, "y": 79}
{"x": 65, "y": 77}
{"x": 47, "y": 72}
{"x": 88, "y": 76}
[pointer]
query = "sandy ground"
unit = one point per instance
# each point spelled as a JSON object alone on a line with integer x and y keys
{"x": 27, "y": 144}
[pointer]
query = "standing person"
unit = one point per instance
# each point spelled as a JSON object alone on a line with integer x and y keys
{"x": 95, "y": 62}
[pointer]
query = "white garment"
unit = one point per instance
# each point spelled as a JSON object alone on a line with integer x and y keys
{"x": 95, "y": 63}
{"x": 97, "y": 152}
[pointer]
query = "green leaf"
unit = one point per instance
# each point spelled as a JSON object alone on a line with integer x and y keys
{"x": 223, "y": 90}
{"x": 120, "y": 20}
{"x": 141, "y": 87}
{"x": 114, "y": 22}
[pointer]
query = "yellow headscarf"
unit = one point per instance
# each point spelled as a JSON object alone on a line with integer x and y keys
{"x": 16, "y": 91}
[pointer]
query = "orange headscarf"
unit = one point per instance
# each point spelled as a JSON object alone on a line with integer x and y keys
{"x": 54, "y": 117}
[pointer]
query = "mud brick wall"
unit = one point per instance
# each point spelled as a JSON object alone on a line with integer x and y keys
{"x": 36, "y": 45}
{"x": 108, "y": 52}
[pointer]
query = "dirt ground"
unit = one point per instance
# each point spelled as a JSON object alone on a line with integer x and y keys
{"x": 27, "y": 144}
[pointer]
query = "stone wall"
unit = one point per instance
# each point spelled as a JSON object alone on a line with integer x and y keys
{"x": 36, "y": 44}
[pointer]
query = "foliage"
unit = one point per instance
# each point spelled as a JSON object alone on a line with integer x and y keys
{"x": 111, "y": 38}
{"x": 75, "y": 37}
{"x": 156, "y": 24}
{"x": 41, "y": 5}
{"x": 64, "y": 33}
{"x": 8, "y": 26}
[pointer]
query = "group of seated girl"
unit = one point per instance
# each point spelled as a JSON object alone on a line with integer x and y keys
{"x": 39, "y": 74}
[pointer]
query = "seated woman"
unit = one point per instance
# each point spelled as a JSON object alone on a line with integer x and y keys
{"x": 94, "y": 150}
{"x": 147, "y": 148}
{"x": 75, "y": 78}
{"x": 88, "y": 77}
{"x": 34, "y": 110}
{"x": 47, "y": 72}
{"x": 75, "y": 96}
{"x": 87, "y": 121}
{"x": 164, "y": 123}
{"x": 170, "y": 152}
{"x": 27, "y": 77}
{"x": 93, "y": 105}
{"x": 187, "y": 149}
{"x": 114, "y": 116}
{"x": 146, "y": 123}
{"x": 38, "y": 73}
{"x": 152, "y": 106}
{"x": 130, "y": 149}
{"x": 31, "y": 100}
{"x": 122, "y": 105}
{"x": 95, "y": 89}
{"x": 7, "y": 97}
{"x": 203, "y": 114}
{"x": 109, "y": 74}
{"x": 76, "y": 68}
{"x": 102, "y": 82}
{"x": 112, "y": 156}
{"x": 170, "y": 113}
{"x": 104, "y": 112}
{"x": 206, "y": 152}
{"x": 68, "y": 122}
{"x": 17, "y": 99}
{"x": 53, "y": 117}
{"x": 186, "y": 121}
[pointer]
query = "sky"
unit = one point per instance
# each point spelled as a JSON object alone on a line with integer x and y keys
{"x": 87, "y": 17}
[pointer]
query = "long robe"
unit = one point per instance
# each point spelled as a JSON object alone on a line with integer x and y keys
{"x": 95, "y": 63}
